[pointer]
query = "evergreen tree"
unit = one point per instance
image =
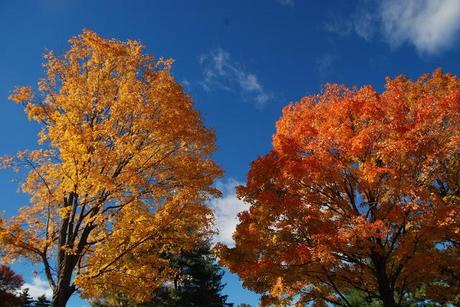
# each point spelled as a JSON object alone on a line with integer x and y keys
{"x": 25, "y": 298}
{"x": 198, "y": 282}
{"x": 42, "y": 301}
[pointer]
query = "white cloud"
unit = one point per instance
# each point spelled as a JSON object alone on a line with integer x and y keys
{"x": 431, "y": 26}
{"x": 38, "y": 287}
{"x": 226, "y": 211}
{"x": 221, "y": 72}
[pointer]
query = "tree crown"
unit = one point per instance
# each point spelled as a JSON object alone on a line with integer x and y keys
{"x": 361, "y": 190}
{"x": 124, "y": 168}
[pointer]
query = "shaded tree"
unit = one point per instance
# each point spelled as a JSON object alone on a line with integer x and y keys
{"x": 42, "y": 301}
{"x": 26, "y": 300}
{"x": 357, "y": 298}
{"x": 196, "y": 281}
{"x": 10, "y": 283}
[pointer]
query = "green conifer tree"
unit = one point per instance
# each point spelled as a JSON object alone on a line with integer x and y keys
{"x": 42, "y": 301}
{"x": 25, "y": 298}
{"x": 198, "y": 282}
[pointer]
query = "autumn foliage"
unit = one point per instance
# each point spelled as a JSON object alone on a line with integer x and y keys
{"x": 122, "y": 175}
{"x": 361, "y": 191}
{"x": 10, "y": 284}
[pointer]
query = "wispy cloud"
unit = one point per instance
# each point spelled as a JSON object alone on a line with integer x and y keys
{"x": 286, "y": 2}
{"x": 226, "y": 211}
{"x": 325, "y": 65}
{"x": 221, "y": 72}
{"x": 363, "y": 22}
{"x": 431, "y": 26}
{"x": 186, "y": 83}
{"x": 38, "y": 287}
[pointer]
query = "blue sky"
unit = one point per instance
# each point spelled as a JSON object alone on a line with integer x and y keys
{"x": 241, "y": 60}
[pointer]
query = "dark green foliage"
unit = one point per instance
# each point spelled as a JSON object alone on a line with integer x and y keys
{"x": 358, "y": 298}
{"x": 25, "y": 298}
{"x": 197, "y": 283}
{"x": 42, "y": 301}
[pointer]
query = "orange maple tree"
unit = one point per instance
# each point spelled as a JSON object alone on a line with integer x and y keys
{"x": 361, "y": 191}
{"x": 122, "y": 175}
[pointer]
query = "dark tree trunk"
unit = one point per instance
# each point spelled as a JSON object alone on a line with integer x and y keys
{"x": 385, "y": 290}
{"x": 65, "y": 262}
{"x": 387, "y": 295}
{"x": 61, "y": 295}
{"x": 64, "y": 288}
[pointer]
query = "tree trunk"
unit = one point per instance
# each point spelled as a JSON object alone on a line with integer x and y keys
{"x": 61, "y": 295}
{"x": 64, "y": 289}
{"x": 65, "y": 262}
{"x": 386, "y": 295}
{"x": 385, "y": 290}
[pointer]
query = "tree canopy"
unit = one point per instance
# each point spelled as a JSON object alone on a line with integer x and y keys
{"x": 361, "y": 191}
{"x": 10, "y": 284}
{"x": 122, "y": 174}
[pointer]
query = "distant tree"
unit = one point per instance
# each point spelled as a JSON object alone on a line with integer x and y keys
{"x": 357, "y": 298}
{"x": 25, "y": 299}
{"x": 197, "y": 282}
{"x": 113, "y": 300}
{"x": 42, "y": 301}
{"x": 10, "y": 283}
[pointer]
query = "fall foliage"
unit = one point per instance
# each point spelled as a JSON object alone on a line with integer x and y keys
{"x": 361, "y": 191}
{"x": 122, "y": 174}
{"x": 10, "y": 284}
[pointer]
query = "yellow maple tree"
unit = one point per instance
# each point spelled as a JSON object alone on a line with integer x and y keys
{"x": 122, "y": 175}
